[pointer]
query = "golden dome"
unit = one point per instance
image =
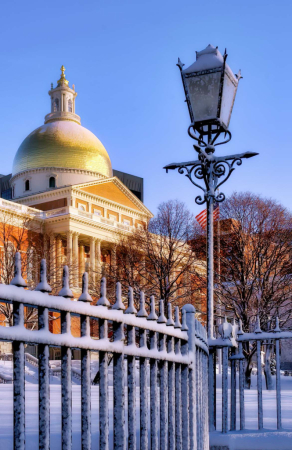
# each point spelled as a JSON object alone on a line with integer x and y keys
{"x": 63, "y": 144}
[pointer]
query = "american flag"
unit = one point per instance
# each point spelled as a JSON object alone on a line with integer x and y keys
{"x": 202, "y": 217}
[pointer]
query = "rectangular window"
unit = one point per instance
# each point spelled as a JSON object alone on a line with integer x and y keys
{"x": 97, "y": 212}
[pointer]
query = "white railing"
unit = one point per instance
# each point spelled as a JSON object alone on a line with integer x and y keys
{"x": 55, "y": 212}
{"x": 177, "y": 355}
{"x": 6, "y": 204}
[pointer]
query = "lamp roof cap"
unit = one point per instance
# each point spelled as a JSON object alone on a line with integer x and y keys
{"x": 209, "y": 58}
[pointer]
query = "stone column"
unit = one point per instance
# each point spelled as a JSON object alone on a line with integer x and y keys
{"x": 59, "y": 265}
{"x": 81, "y": 261}
{"x": 69, "y": 248}
{"x": 114, "y": 259}
{"x": 75, "y": 260}
{"x": 45, "y": 247}
{"x": 36, "y": 268}
{"x": 98, "y": 256}
{"x": 92, "y": 258}
{"x": 52, "y": 259}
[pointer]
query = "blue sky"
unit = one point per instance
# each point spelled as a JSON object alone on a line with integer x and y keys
{"x": 121, "y": 56}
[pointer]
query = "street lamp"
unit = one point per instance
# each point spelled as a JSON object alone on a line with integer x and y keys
{"x": 210, "y": 89}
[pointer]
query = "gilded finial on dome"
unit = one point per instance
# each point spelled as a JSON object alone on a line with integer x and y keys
{"x": 63, "y": 77}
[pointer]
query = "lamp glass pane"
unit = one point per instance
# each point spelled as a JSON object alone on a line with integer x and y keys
{"x": 229, "y": 91}
{"x": 204, "y": 95}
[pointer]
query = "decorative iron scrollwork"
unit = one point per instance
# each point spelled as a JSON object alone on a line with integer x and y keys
{"x": 213, "y": 170}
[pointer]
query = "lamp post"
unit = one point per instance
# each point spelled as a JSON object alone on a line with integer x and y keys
{"x": 210, "y": 89}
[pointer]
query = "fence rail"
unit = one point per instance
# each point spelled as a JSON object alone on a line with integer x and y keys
{"x": 176, "y": 354}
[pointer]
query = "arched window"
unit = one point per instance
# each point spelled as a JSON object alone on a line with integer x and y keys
{"x": 52, "y": 182}
{"x": 27, "y": 185}
{"x": 81, "y": 207}
{"x": 56, "y": 105}
{"x": 70, "y": 105}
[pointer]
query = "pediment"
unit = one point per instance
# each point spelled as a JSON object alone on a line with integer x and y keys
{"x": 114, "y": 190}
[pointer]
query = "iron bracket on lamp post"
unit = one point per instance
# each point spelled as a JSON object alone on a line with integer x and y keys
{"x": 213, "y": 171}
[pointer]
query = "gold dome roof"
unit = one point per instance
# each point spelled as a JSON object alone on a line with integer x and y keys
{"x": 63, "y": 144}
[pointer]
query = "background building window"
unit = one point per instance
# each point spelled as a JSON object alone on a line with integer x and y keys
{"x": 56, "y": 105}
{"x": 70, "y": 105}
{"x": 97, "y": 212}
{"x": 81, "y": 207}
{"x": 52, "y": 182}
{"x": 27, "y": 185}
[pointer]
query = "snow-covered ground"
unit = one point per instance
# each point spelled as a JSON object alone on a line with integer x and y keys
{"x": 31, "y": 371}
{"x": 264, "y": 440}
{"x": 6, "y": 416}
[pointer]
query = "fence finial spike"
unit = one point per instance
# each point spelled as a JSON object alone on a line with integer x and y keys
{"x": 240, "y": 330}
{"x": 142, "y": 311}
{"x": 131, "y": 307}
{"x": 170, "y": 322}
{"x": 119, "y": 303}
{"x": 65, "y": 291}
{"x": 152, "y": 315}
{"x": 17, "y": 280}
{"x": 85, "y": 296}
{"x": 277, "y": 328}
{"x": 43, "y": 285}
{"x": 184, "y": 320}
{"x": 161, "y": 318}
{"x": 103, "y": 301}
{"x": 258, "y": 325}
{"x": 177, "y": 323}
{"x": 225, "y": 329}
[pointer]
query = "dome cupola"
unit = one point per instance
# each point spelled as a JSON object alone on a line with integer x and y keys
{"x": 61, "y": 147}
{"x": 62, "y": 101}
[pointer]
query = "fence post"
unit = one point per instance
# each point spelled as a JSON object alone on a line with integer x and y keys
{"x": 163, "y": 384}
{"x": 18, "y": 381}
{"x": 44, "y": 384}
{"x": 212, "y": 388}
{"x": 241, "y": 379}
{"x": 66, "y": 368}
{"x": 118, "y": 379}
{"x": 233, "y": 392}
{"x": 85, "y": 372}
{"x": 153, "y": 382}
{"x": 190, "y": 321}
{"x": 178, "y": 387}
{"x": 131, "y": 376}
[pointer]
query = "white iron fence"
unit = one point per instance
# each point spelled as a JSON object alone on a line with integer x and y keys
{"x": 177, "y": 355}
{"x": 232, "y": 343}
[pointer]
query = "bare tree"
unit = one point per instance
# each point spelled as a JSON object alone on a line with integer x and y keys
{"x": 158, "y": 258}
{"x": 19, "y": 233}
{"x": 255, "y": 268}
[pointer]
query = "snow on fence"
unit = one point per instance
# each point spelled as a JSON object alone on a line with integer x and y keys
{"x": 176, "y": 353}
{"x": 231, "y": 342}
